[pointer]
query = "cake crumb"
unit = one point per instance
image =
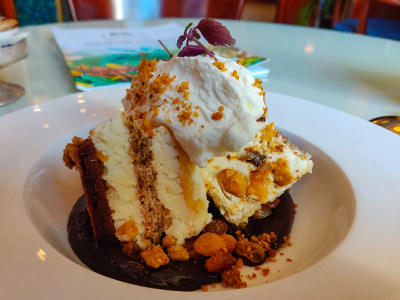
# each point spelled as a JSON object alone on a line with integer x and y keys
{"x": 239, "y": 263}
{"x": 265, "y": 271}
{"x": 289, "y": 260}
{"x": 204, "y": 288}
{"x": 251, "y": 276}
{"x": 232, "y": 277}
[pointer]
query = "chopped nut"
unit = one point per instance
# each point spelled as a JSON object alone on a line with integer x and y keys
{"x": 178, "y": 253}
{"x": 127, "y": 231}
{"x": 282, "y": 172}
{"x": 168, "y": 241}
{"x": 217, "y": 116}
{"x": 155, "y": 257}
{"x": 268, "y": 132}
{"x": 233, "y": 182}
{"x": 258, "y": 186}
{"x": 220, "y": 65}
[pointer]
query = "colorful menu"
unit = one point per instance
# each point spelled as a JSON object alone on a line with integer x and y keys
{"x": 99, "y": 57}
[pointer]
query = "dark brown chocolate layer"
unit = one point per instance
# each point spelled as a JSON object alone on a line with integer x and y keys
{"x": 81, "y": 154}
{"x": 108, "y": 259}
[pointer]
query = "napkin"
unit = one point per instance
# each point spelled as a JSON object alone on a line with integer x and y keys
{"x": 11, "y": 37}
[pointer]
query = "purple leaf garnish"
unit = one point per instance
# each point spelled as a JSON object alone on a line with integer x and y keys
{"x": 191, "y": 50}
{"x": 180, "y": 41}
{"x": 215, "y": 33}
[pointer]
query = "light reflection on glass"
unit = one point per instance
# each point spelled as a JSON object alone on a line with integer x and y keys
{"x": 46, "y": 126}
{"x": 82, "y": 110}
{"x": 309, "y": 49}
{"x": 81, "y": 101}
{"x": 41, "y": 254}
{"x": 93, "y": 115}
{"x": 37, "y": 108}
{"x": 80, "y": 96}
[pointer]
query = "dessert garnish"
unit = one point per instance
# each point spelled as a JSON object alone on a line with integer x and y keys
{"x": 213, "y": 31}
{"x": 189, "y": 182}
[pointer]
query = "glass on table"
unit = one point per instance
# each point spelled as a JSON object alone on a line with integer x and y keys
{"x": 391, "y": 123}
{"x": 9, "y": 54}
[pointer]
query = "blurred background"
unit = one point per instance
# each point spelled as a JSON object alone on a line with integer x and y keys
{"x": 373, "y": 17}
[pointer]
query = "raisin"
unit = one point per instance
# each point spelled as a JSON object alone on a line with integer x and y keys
{"x": 218, "y": 226}
{"x": 250, "y": 251}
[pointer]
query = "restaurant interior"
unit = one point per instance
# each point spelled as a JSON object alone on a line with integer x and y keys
{"x": 221, "y": 106}
{"x": 344, "y": 15}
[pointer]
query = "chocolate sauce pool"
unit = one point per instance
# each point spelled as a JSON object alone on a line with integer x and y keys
{"x": 108, "y": 259}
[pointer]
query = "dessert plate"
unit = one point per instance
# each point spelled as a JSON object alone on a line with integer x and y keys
{"x": 345, "y": 235}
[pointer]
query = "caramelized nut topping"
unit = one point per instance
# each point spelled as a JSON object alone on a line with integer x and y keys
{"x": 217, "y": 116}
{"x": 168, "y": 241}
{"x": 154, "y": 257}
{"x": 233, "y": 182}
{"x": 178, "y": 253}
{"x": 268, "y": 132}
{"x": 258, "y": 186}
{"x": 282, "y": 172}
{"x": 127, "y": 231}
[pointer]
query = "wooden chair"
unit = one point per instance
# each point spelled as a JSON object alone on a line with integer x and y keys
{"x": 380, "y": 18}
{"x": 297, "y": 12}
{"x": 105, "y": 9}
{"x": 7, "y": 9}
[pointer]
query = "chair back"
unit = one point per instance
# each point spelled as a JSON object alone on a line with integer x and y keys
{"x": 297, "y": 12}
{"x": 364, "y": 9}
{"x": 146, "y": 9}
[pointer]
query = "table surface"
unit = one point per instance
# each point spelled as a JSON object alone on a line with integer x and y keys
{"x": 353, "y": 73}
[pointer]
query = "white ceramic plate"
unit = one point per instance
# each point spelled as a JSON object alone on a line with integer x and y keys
{"x": 345, "y": 236}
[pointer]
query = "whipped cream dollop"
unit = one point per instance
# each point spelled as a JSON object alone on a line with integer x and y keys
{"x": 211, "y": 106}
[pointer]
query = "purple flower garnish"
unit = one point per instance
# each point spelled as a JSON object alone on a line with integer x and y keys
{"x": 213, "y": 31}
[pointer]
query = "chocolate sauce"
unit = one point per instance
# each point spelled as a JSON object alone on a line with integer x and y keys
{"x": 108, "y": 259}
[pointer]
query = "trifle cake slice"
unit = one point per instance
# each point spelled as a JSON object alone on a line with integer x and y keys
{"x": 138, "y": 184}
{"x": 180, "y": 176}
